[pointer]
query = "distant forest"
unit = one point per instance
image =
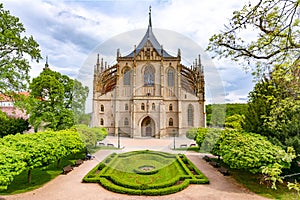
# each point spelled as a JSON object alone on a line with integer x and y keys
{"x": 217, "y": 113}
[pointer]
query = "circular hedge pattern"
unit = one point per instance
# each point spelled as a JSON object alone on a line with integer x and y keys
{"x": 145, "y": 173}
{"x": 146, "y": 170}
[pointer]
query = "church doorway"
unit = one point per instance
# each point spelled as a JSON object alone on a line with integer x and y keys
{"x": 148, "y": 127}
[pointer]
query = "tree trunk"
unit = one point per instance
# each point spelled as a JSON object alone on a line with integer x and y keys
{"x": 29, "y": 176}
{"x": 58, "y": 163}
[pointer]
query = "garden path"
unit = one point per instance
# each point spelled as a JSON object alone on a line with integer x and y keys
{"x": 70, "y": 187}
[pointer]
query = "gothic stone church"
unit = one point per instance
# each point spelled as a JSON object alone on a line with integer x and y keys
{"x": 148, "y": 93}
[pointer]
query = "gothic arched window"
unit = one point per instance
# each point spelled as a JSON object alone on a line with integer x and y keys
{"x": 101, "y": 121}
{"x": 171, "y": 122}
{"x": 143, "y": 106}
{"x": 149, "y": 76}
{"x": 126, "y": 122}
{"x": 126, "y": 106}
{"x": 153, "y": 106}
{"x": 190, "y": 115}
{"x": 102, "y": 108}
{"x": 127, "y": 76}
{"x": 171, "y": 77}
{"x": 170, "y": 107}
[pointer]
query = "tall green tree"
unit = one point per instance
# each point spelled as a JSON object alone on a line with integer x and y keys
{"x": 79, "y": 95}
{"x": 274, "y": 25}
{"x": 274, "y": 50}
{"x": 259, "y": 108}
{"x": 14, "y": 48}
{"x": 55, "y": 100}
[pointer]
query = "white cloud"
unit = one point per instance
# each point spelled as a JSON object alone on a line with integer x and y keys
{"x": 69, "y": 31}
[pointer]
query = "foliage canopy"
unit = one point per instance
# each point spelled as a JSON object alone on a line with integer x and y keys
{"x": 13, "y": 50}
{"x": 56, "y": 100}
{"x": 274, "y": 27}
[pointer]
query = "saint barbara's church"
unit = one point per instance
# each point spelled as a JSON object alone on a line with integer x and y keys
{"x": 148, "y": 93}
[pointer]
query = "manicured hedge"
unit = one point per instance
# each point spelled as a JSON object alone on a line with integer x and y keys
{"x": 113, "y": 180}
{"x": 150, "y": 192}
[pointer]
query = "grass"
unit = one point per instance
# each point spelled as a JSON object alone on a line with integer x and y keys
{"x": 252, "y": 182}
{"x": 39, "y": 176}
{"x": 168, "y": 173}
{"x": 195, "y": 149}
{"x": 97, "y": 148}
{"x": 123, "y": 169}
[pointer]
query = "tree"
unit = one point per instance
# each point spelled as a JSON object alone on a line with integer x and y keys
{"x": 84, "y": 118}
{"x": 200, "y": 135}
{"x": 12, "y": 164}
{"x": 275, "y": 53}
{"x": 11, "y": 125}
{"x": 275, "y": 24}
{"x": 250, "y": 151}
{"x": 90, "y": 135}
{"x": 259, "y": 107}
{"x": 28, "y": 151}
{"x": 55, "y": 100}
{"x": 284, "y": 118}
{"x": 191, "y": 133}
{"x": 274, "y": 109}
{"x": 79, "y": 95}
{"x": 216, "y": 113}
{"x": 13, "y": 50}
{"x": 216, "y": 116}
{"x": 234, "y": 121}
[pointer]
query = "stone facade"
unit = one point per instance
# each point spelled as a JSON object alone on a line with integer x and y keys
{"x": 148, "y": 93}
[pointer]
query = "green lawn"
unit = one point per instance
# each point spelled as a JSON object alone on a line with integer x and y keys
{"x": 98, "y": 148}
{"x": 123, "y": 173}
{"x": 195, "y": 149}
{"x": 252, "y": 182}
{"x": 39, "y": 176}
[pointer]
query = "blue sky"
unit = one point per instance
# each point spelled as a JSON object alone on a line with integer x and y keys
{"x": 71, "y": 32}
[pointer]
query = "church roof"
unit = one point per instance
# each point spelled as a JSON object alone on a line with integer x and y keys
{"x": 149, "y": 36}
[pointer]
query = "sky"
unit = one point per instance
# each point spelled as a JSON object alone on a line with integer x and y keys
{"x": 71, "y": 33}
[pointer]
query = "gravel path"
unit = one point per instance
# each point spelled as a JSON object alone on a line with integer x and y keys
{"x": 70, "y": 187}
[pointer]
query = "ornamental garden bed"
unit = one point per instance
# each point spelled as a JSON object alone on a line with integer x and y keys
{"x": 145, "y": 173}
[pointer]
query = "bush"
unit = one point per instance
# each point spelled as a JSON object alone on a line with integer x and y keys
{"x": 90, "y": 136}
{"x": 121, "y": 181}
{"x": 191, "y": 133}
{"x": 200, "y": 135}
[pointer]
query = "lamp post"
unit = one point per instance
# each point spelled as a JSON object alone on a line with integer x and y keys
{"x": 118, "y": 138}
{"x": 174, "y": 134}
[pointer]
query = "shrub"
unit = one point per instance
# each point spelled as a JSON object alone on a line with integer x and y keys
{"x": 191, "y": 133}
{"x": 121, "y": 180}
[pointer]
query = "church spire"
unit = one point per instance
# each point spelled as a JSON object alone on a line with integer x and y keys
{"x": 150, "y": 22}
{"x": 98, "y": 63}
{"x": 46, "y": 64}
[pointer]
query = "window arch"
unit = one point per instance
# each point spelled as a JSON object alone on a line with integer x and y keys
{"x": 126, "y": 122}
{"x": 127, "y": 76}
{"x": 153, "y": 106}
{"x": 149, "y": 76}
{"x": 102, "y": 108}
{"x": 190, "y": 115}
{"x": 171, "y": 122}
{"x": 171, "y": 77}
{"x": 126, "y": 106}
{"x": 170, "y": 107}
{"x": 143, "y": 106}
{"x": 101, "y": 121}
